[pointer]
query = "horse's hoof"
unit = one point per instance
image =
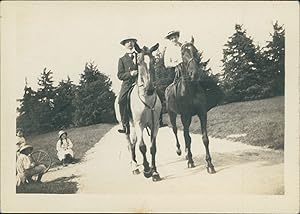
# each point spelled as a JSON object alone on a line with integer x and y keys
{"x": 178, "y": 151}
{"x": 156, "y": 177}
{"x": 148, "y": 173}
{"x": 136, "y": 172}
{"x": 211, "y": 170}
{"x": 191, "y": 165}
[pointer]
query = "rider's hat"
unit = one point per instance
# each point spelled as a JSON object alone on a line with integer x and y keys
{"x": 26, "y": 147}
{"x": 171, "y": 33}
{"x": 127, "y": 39}
{"x": 19, "y": 130}
{"x": 61, "y": 132}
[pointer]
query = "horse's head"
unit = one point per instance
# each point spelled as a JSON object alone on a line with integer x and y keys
{"x": 145, "y": 61}
{"x": 190, "y": 61}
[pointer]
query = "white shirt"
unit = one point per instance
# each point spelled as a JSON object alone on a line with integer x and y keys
{"x": 24, "y": 163}
{"x": 172, "y": 55}
{"x": 132, "y": 52}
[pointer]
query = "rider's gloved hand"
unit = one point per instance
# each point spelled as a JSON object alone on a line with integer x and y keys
{"x": 133, "y": 72}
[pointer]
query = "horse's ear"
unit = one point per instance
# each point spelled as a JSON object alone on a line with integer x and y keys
{"x": 154, "y": 48}
{"x": 137, "y": 48}
{"x": 192, "y": 40}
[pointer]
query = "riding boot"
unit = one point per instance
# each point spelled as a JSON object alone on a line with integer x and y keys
{"x": 161, "y": 124}
{"x": 124, "y": 118}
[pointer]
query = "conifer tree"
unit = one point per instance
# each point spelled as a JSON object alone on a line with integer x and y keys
{"x": 94, "y": 99}
{"x": 27, "y": 118}
{"x": 63, "y": 104}
{"x": 240, "y": 78}
{"x": 275, "y": 54}
{"x": 45, "y": 95}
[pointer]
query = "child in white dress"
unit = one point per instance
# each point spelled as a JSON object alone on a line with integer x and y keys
{"x": 64, "y": 148}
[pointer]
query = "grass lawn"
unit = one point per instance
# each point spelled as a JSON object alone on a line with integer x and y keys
{"x": 83, "y": 139}
{"x": 259, "y": 123}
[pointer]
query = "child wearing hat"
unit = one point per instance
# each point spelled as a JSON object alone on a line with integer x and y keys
{"x": 64, "y": 148}
{"x": 27, "y": 168}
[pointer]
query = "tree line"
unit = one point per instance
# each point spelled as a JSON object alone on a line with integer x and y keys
{"x": 67, "y": 105}
{"x": 249, "y": 72}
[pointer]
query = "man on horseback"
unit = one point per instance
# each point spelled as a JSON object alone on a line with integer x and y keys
{"x": 127, "y": 72}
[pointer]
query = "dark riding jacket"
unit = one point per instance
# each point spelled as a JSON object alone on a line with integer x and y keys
{"x": 126, "y": 65}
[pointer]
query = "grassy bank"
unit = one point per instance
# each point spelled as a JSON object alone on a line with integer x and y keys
{"x": 83, "y": 139}
{"x": 259, "y": 123}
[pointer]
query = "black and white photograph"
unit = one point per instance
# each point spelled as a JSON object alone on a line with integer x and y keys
{"x": 149, "y": 106}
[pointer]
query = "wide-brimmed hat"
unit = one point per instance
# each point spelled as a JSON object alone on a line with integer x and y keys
{"x": 61, "y": 132}
{"x": 171, "y": 33}
{"x": 127, "y": 39}
{"x": 26, "y": 146}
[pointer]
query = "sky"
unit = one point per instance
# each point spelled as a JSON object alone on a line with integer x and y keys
{"x": 63, "y": 36}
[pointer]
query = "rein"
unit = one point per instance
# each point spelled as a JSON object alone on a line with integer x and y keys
{"x": 188, "y": 63}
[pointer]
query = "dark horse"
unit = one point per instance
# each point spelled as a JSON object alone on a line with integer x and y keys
{"x": 187, "y": 98}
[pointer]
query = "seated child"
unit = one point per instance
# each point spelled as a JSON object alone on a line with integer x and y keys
{"x": 26, "y": 167}
{"x": 64, "y": 148}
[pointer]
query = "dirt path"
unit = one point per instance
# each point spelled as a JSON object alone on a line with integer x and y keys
{"x": 240, "y": 168}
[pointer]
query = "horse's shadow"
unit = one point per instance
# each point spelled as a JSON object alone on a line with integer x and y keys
{"x": 222, "y": 162}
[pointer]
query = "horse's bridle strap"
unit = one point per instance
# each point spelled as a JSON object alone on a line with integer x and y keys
{"x": 152, "y": 108}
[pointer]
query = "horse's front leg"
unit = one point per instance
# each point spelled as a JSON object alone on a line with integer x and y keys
{"x": 131, "y": 147}
{"x": 172, "y": 116}
{"x": 143, "y": 149}
{"x": 203, "y": 119}
{"x": 186, "y": 122}
{"x": 155, "y": 174}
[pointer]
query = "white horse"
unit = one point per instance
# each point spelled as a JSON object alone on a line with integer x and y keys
{"x": 145, "y": 109}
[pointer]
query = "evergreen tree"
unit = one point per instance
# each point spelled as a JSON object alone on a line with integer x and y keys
{"x": 241, "y": 77}
{"x": 27, "y": 118}
{"x": 63, "y": 104}
{"x": 94, "y": 99}
{"x": 45, "y": 95}
{"x": 275, "y": 54}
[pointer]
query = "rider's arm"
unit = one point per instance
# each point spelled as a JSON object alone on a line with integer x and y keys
{"x": 122, "y": 74}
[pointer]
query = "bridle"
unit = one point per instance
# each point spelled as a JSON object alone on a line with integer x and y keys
{"x": 152, "y": 108}
{"x": 187, "y": 64}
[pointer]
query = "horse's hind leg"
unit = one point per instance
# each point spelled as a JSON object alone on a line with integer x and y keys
{"x": 203, "y": 119}
{"x": 186, "y": 121}
{"x": 172, "y": 116}
{"x": 143, "y": 149}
